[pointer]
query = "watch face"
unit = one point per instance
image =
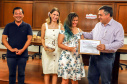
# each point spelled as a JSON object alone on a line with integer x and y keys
{"x": 53, "y": 42}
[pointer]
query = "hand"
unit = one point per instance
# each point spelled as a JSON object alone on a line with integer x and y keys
{"x": 19, "y": 52}
{"x": 14, "y": 50}
{"x": 73, "y": 49}
{"x": 46, "y": 48}
{"x": 101, "y": 47}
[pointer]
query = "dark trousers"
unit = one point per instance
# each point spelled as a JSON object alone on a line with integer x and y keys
{"x": 13, "y": 63}
{"x": 101, "y": 66}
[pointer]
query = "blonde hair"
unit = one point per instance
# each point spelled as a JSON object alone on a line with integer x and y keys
{"x": 48, "y": 20}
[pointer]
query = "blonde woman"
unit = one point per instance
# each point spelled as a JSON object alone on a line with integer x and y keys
{"x": 50, "y": 51}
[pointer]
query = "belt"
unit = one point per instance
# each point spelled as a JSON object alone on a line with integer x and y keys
{"x": 106, "y": 53}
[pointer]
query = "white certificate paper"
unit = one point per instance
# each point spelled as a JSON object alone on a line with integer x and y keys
{"x": 88, "y": 47}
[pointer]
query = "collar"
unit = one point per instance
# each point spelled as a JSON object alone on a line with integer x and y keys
{"x": 110, "y": 22}
{"x": 20, "y": 24}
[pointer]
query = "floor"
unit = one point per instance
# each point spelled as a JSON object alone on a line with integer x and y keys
{"x": 34, "y": 74}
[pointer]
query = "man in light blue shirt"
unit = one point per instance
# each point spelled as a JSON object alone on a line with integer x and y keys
{"x": 111, "y": 35}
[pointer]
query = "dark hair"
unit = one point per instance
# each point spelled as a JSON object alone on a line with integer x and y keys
{"x": 16, "y": 8}
{"x": 107, "y": 9}
{"x": 68, "y": 24}
{"x": 49, "y": 18}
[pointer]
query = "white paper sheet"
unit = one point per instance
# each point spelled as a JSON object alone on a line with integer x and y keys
{"x": 89, "y": 47}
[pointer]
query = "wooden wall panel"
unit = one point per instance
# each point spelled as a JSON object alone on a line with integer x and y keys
{"x": 121, "y": 15}
{"x": 36, "y": 11}
{"x": 1, "y": 14}
{"x": 64, "y": 8}
{"x": 41, "y": 12}
{"x": 82, "y": 0}
{"x": 8, "y": 9}
{"x": 88, "y": 8}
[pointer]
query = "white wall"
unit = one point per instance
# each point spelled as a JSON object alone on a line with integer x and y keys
{"x": 124, "y": 56}
{"x": 33, "y": 48}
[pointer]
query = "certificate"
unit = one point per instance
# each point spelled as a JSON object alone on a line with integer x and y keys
{"x": 88, "y": 47}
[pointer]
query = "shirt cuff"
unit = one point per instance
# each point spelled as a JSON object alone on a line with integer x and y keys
{"x": 108, "y": 47}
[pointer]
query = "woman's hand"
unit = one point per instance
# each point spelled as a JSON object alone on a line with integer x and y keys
{"x": 72, "y": 49}
{"x": 49, "y": 49}
{"x": 46, "y": 48}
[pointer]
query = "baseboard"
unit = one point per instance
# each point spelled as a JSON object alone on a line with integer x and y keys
{"x": 4, "y": 82}
{"x": 7, "y": 82}
{"x": 5, "y": 50}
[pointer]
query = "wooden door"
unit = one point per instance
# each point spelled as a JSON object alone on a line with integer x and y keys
{"x": 121, "y": 15}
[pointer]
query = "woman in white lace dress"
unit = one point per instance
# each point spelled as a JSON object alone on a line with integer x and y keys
{"x": 50, "y": 50}
{"x": 70, "y": 64}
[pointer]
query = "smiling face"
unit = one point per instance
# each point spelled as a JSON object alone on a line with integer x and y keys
{"x": 74, "y": 21}
{"x": 54, "y": 16}
{"x": 103, "y": 17}
{"x": 18, "y": 15}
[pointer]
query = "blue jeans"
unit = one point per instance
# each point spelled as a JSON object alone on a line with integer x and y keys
{"x": 101, "y": 66}
{"x": 12, "y": 65}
